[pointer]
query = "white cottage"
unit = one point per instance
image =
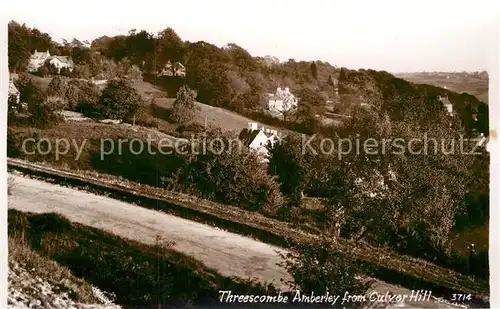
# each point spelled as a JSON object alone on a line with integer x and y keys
{"x": 258, "y": 138}
{"x": 61, "y": 62}
{"x": 282, "y": 100}
{"x": 38, "y": 59}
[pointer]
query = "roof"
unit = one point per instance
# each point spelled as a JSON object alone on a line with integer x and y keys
{"x": 63, "y": 59}
{"x": 38, "y": 55}
{"x": 247, "y": 136}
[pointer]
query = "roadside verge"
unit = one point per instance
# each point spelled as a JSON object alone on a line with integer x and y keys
{"x": 388, "y": 266}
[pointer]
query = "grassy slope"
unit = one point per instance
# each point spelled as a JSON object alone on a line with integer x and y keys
{"x": 138, "y": 274}
{"x": 59, "y": 276}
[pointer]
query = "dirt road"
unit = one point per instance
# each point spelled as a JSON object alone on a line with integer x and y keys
{"x": 231, "y": 254}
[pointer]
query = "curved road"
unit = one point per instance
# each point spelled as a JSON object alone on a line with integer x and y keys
{"x": 230, "y": 254}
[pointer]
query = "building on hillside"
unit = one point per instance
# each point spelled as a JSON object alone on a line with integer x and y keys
{"x": 62, "y": 62}
{"x": 38, "y": 59}
{"x": 447, "y": 104}
{"x": 258, "y": 138}
{"x": 179, "y": 69}
{"x": 13, "y": 91}
{"x": 281, "y": 101}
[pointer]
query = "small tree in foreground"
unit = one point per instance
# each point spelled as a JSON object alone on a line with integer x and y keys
{"x": 318, "y": 268}
{"x": 118, "y": 100}
{"x": 184, "y": 109}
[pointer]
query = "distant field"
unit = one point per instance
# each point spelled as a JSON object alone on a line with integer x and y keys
{"x": 476, "y": 85}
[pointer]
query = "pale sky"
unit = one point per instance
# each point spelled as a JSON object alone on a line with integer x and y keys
{"x": 397, "y": 36}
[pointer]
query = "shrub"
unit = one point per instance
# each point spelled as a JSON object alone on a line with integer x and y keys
{"x": 235, "y": 176}
{"x": 82, "y": 96}
{"x": 184, "y": 109}
{"x": 44, "y": 114}
{"x": 318, "y": 268}
{"x": 118, "y": 100}
{"x": 191, "y": 128}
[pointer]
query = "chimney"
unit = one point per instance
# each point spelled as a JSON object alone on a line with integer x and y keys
{"x": 252, "y": 126}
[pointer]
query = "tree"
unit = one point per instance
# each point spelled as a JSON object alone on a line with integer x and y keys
{"x": 81, "y": 55}
{"x": 317, "y": 267}
{"x": 330, "y": 81}
{"x": 82, "y": 96}
{"x": 170, "y": 48}
{"x": 240, "y": 57}
{"x": 28, "y": 91}
{"x": 407, "y": 199}
{"x": 18, "y": 48}
{"x": 229, "y": 173}
{"x": 57, "y": 86}
{"x": 292, "y": 167}
{"x": 314, "y": 70}
{"x": 184, "y": 109}
{"x": 140, "y": 48}
{"x": 118, "y": 100}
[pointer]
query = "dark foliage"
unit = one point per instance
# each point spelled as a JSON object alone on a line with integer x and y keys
{"x": 138, "y": 275}
{"x": 118, "y": 100}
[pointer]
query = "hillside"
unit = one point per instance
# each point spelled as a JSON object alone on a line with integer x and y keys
{"x": 473, "y": 83}
{"x": 381, "y": 90}
{"x": 35, "y": 280}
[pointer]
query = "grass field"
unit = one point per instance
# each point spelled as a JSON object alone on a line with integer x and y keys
{"x": 458, "y": 82}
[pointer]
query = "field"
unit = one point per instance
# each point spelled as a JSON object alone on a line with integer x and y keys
{"x": 214, "y": 116}
{"x": 477, "y": 85}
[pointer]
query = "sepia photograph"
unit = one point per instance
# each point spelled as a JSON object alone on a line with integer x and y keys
{"x": 257, "y": 154}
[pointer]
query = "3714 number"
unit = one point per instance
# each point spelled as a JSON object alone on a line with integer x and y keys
{"x": 461, "y": 297}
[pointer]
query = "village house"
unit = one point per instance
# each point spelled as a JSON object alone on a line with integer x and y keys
{"x": 62, "y": 62}
{"x": 13, "y": 91}
{"x": 179, "y": 69}
{"x": 282, "y": 100}
{"x": 258, "y": 138}
{"x": 447, "y": 104}
{"x": 38, "y": 59}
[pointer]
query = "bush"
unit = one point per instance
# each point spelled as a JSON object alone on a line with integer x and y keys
{"x": 184, "y": 109}
{"x": 236, "y": 176}
{"x": 44, "y": 114}
{"x": 82, "y": 96}
{"x": 118, "y": 100}
{"x": 57, "y": 86}
{"x": 191, "y": 128}
{"x": 13, "y": 105}
{"x": 318, "y": 268}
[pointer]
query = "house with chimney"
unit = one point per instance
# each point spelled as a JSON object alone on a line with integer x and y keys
{"x": 38, "y": 59}
{"x": 281, "y": 101}
{"x": 62, "y": 62}
{"x": 257, "y": 138}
